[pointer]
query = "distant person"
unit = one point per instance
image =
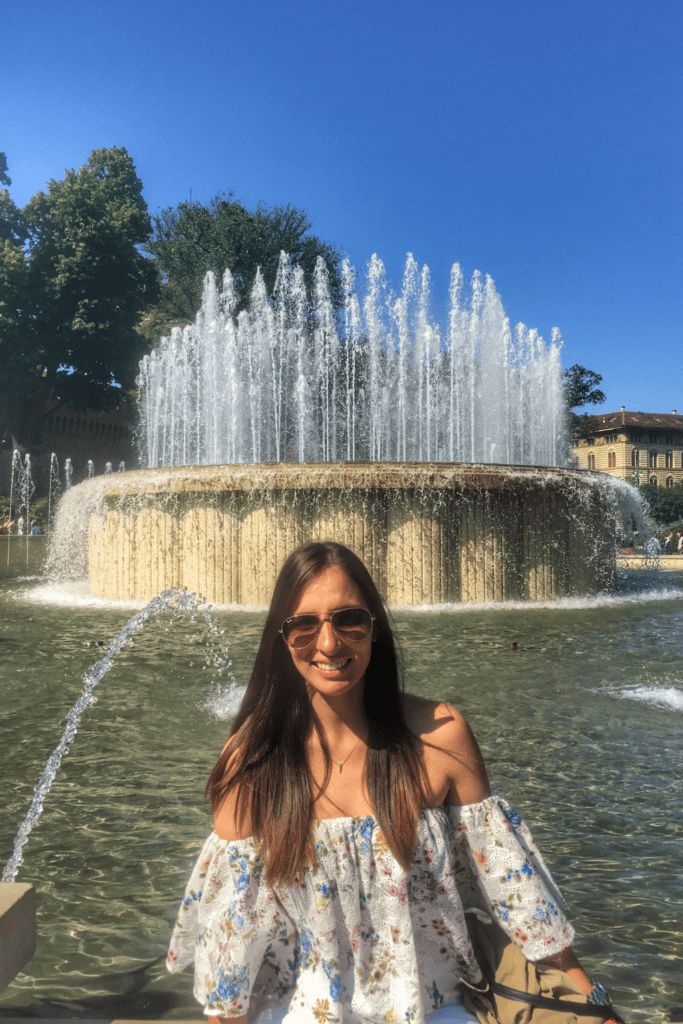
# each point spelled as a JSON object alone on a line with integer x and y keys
{"x": 680, "y": 543}
{"x": 23, "y": 525}
{"x": 4, "y": 529}
{"x": 668, "y": 540}
{"x": 36, "y": 528}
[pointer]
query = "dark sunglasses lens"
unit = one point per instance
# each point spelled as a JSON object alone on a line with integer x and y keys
{"x": 353, "y": 623}
{"x": 301, "y": 630}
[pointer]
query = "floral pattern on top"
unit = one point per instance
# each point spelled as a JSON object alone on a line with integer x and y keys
{"x": 500, "y": 870}
{"x": 357, "y": 938}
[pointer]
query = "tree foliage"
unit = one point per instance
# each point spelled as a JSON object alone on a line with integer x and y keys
{"x": 73, "y": 283}
{"x": 666, "y": 503}
{"x": 190, "y": 239}
{"x": 581, "y": 387}
{"x": 4, "y": 176}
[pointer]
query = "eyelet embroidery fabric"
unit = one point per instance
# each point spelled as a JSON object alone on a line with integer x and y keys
{"x": 358, "y": 939}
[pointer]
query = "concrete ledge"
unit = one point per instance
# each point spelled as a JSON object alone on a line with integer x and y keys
{"x": 639, "y": 562}
{"x": 17, "y": 929}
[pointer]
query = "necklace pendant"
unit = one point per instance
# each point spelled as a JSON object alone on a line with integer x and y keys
{"x": 341, "y": 765}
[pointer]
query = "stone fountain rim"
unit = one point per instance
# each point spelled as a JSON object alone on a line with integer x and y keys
{"x": 332, "y": 476}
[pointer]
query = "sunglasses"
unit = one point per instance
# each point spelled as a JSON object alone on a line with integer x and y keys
{"x": 352, "y": 624}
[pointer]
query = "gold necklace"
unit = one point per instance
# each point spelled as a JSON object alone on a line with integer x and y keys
{"x": 340, "y": 764}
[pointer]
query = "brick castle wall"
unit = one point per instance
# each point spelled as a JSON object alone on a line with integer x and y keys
{"x": 99, "y": 436}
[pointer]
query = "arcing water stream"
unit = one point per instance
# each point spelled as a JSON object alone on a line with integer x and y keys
{"x": 175, "y": 602}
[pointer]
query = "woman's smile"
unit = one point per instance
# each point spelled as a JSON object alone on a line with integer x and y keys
{"x": 332, "y": 666}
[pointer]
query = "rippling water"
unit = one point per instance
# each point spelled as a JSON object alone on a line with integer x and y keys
{"x": 581, "y": 726}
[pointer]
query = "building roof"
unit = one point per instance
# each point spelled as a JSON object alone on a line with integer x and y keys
{"x": 651, "y": 420}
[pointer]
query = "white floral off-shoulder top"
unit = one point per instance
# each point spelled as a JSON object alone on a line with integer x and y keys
{"x": 358, "y": 939}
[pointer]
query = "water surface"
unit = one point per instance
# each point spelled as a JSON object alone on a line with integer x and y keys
{"x": 580, "y": 725}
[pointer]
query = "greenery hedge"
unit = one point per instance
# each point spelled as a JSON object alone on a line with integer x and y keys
{"x": 666, "y": 503}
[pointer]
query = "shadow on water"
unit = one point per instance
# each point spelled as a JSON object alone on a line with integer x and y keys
{"x": 580, "y": 725}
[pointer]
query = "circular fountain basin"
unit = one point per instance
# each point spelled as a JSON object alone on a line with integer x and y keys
{"x": 430, "y": 533}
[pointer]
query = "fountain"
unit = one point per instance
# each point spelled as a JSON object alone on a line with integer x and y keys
{"x": 419, "y": 448}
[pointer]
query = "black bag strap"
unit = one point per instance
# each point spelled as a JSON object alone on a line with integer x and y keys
{"x": 563, "y": 1005}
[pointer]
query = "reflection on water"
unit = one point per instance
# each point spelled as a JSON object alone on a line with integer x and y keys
{"x": 581, "y": 726}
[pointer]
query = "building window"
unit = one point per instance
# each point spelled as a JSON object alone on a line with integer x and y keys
{"x": 669, "y": 481}
{"x": 653, "y": 437}
{"x": 611, "y": 460}
{"x": 668, "y": 439}
{"x": 612, "y": 438}
{"x": 653, "y": 460}
{"x": 591, "y": 462}
{"x": 635, "y": 457}
{"x": 669, "y": 460}
{"x": 653, "y": 481}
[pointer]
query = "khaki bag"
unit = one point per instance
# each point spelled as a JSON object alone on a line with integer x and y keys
{"x": 502, "y": 961}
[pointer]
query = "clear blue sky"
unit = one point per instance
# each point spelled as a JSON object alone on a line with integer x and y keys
{"x": 535, "y": 141}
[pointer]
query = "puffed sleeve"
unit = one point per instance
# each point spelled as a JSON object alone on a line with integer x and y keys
{"x": 498, "y": 868}
{"x": 231, "y": 925}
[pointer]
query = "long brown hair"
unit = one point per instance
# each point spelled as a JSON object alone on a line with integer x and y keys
{"x": 269, "y": 733}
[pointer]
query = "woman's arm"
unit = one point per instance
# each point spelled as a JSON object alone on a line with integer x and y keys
{"x": 566, "y": 961}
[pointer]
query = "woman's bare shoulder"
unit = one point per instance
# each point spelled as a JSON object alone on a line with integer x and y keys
{"x": 450, "y": 749}
{"x": 433, "y": 720}
{"x": 232, "y": 819}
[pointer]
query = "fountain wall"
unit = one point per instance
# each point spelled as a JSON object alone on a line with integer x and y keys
{"x": 429, "y": 533}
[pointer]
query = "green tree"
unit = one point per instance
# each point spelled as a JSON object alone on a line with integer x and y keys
{"x": 581, "y": 388}
{"x": 4, "y": 176}
{"x": 190, "y": 239}
{"x": 666, "y": 503}
{"x": 73, "y": 282}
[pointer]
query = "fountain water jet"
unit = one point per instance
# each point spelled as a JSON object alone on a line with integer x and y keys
{"x": 283, "y": 381}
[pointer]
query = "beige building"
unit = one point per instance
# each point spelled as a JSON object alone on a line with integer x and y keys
{"x": 641, "y": 447}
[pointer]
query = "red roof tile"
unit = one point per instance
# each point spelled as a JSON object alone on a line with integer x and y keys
{"x": 652, "y": 420}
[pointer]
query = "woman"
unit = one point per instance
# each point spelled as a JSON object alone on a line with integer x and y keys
{"x": 350, "y": 819}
